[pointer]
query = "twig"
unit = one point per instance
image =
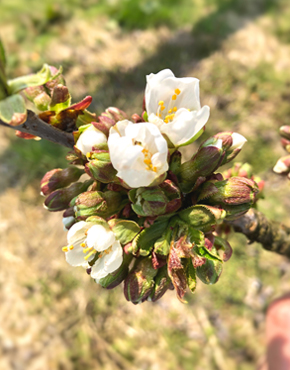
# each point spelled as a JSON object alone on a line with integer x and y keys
{"x": 273, "y": 236}
{"x": 35, "y": 126}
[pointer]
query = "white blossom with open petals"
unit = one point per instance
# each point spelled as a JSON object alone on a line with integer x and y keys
{"x": 138, "y": 151}
{"x": 173, "y": 105}
{"x": 93, "y": 245}
{"x": 89, "y": 138}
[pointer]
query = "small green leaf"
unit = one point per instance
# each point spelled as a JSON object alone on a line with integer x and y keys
{"x": 124, "y": 230}
{"x": 144, "y": 242}
{"x": 204, "y": 252}
{"x": 162, "y": 245}
{"x": 209, "y": 272}
{"x": 13, "y": 110}
{"x": 190, "y": 275}
{"x": 36, "y": 79}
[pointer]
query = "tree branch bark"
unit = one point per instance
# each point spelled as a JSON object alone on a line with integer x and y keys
{"x": 35, "y": 126}
{"x": 273, "y": 236}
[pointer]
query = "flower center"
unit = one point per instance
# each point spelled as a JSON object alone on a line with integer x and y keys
{"x": 168, "y": 115}
{"x": 147, "y": 158}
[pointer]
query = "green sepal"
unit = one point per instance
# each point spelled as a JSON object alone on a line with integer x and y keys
{"x": 36, "y": 79}
{"x": 98, "y": 221}
{"x": 175, "y": 162}
{"x": 145, "y": 240}
{"x": 13, "y": 110}
{"x": 124, "y": 230}
{"x": 200, "y": 217}
{"x": 210, "y": 271}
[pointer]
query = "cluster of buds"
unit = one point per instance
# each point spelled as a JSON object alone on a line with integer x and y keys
{"x": 283, "y": 164}
{"x": 135, "y": 212}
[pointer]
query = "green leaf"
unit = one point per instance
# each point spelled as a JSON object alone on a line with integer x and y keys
{"x": 36, "y": 79}
{"x": 190, "y": 275}
{"x": 3, "y": 80}
{"x": 209, "y": 272}
{"x": 204, "y": 252}
{"x": 124, "y": 230}
{"x": 196, "y": 236}
{"x": 13, "y": 110}
{"x": 162, "y": 245}
{"x": 144, "y": 242}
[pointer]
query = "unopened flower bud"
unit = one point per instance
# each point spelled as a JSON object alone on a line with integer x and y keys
{"x": 115, "y": 113}
{"x": 89, "y": 139}
{"x": 100, "y": 166}
{"x": 286, "y": 144}
{"x": 60, "y": 97}
{"x": 162, "y": 284}
{"x": 283, "y": 165}
{"x": 203, "y": 164}
{"x": 115, "y": 278}
{"x": 285, "y": 132}
{"x": 234, "y": 191}
{"x": 59, "y": 200}
{"x": 56, "y": 80}
{"x": 140, "y": 281}
{"x": 232, "y": 144}
{"x": 149, "y": 201}
{"x": 58, "y": 178}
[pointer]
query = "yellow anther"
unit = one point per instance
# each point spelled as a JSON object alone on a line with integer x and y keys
{"x": 166, "y": 120}
{"x": 88, "y": 155}
{"x": 71, "y": 247}
{"x": 172, "y": 116}
{"x": 177, "y": 91}
{"x": 147, "y": 161}
{"x": 90, "y": 254}
{"x": 162, "y": 108}
{"x": 170, "y": 111}
{"x": 174, "y": 109}
{"x": 83, "y": 245}
{"x": 174, "y": 97}
{"x": 159, "y": 115}
{"x": 161, "y": 102}
{"x": 65, "y": 249}
{"x": 154, "y": 169}
{"x": 145, "y": 151}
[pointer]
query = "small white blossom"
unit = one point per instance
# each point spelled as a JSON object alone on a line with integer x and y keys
{"x": 173, "y": 105}
{"x": 89, "y": 138}
{"x": 138, "y": 152}
{"x": 93, "y": 245}
{"x": 282, "y": 165}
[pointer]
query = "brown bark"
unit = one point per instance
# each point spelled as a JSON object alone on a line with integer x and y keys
{"x": 35, "y": 126}
{"x": 273, "y": 236}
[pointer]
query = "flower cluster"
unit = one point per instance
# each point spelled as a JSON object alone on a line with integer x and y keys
{"x": 283, "y": 164}
{"x": 134, "y": 211}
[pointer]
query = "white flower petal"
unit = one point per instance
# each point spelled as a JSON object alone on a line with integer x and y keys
{"x": 99, "y": 238}
{"x": 76, "y": 256}
{"x": 280, "y": 167}
{"x": 132, "y": 154}
{"x": 185, "y": 125}
{"x": 89, "y": 138}
{"x": 238, "y": 141}
{"x": 108, "y": 263}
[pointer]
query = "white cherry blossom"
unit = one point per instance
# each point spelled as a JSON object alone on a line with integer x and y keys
{"x": 138, "y": 152}
{"x": 238, "y": 141}
{"x": 173, "y": 105}
{"x": 93, "y": 245}
{"x": 89, "y": 138}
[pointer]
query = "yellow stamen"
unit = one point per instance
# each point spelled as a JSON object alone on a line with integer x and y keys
{"x": 174, "y": 109}
{"x": 174, "y": 97}
{"x": 83, "y": 245}
{"x": 145, "y": 151}
{"x": 87, "y": 249}
{"x": 170, "y": 111}
{"x": 88, "y": 155}
{"x": 65, "y": 249}
{"x": 161, "y": 102}
{"x": 172, "y": 116}
{"x": 147, "y": 161}
{"x": 162, "y": 108}
{"x": 166, "y": 120}
{"x": 154, "y": 169}
{"x": 159, "y": 115}
{"x": 90, "y": 254}
{"x": 177, "y": 91}
{"x": 71, "y": 247}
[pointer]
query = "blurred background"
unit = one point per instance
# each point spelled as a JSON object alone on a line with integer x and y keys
{"x": 53, "y": 316}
